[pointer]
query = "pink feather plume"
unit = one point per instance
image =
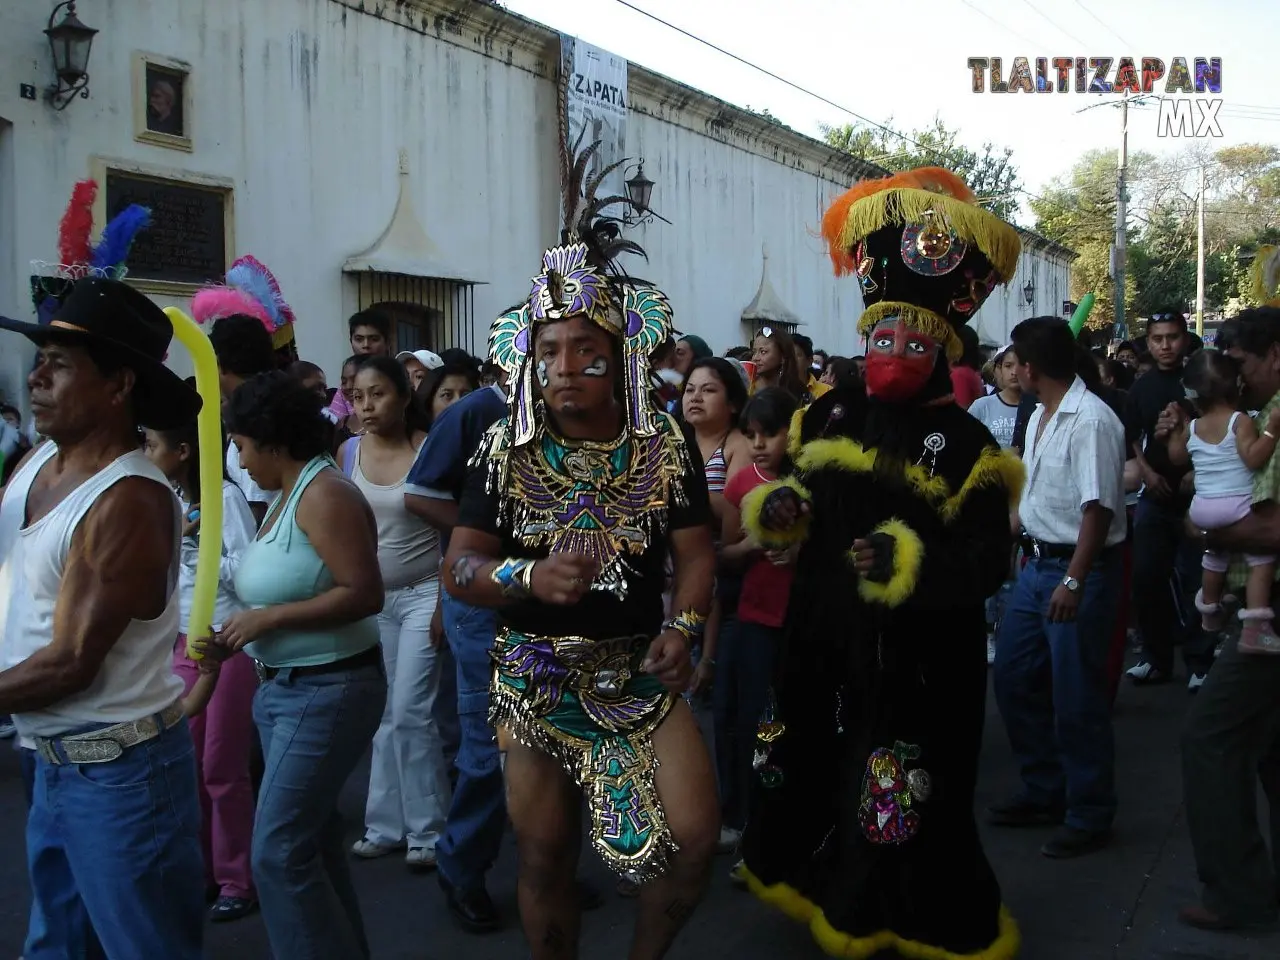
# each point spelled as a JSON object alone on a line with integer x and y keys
{"x": 214, "y": 303}
{"x": 77, "y": 224}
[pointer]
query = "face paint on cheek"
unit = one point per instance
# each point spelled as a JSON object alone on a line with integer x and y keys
{"x": 543, "y": 379}
{"x": 598, "y": 367}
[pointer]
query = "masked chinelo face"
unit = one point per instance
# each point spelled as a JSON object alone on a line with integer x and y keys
{"x": 899, "y": 361}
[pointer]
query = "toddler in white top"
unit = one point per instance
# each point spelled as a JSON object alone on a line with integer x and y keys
{"x": 1225, "y": 448}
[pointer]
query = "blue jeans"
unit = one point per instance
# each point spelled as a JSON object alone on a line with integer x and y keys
{"x": 117, "y": 846}
{"x": 478, "y": 815}
{"x": 1052, "y": 689}
{"x": 744, "y": 672}
{"x": 314, "y": 730}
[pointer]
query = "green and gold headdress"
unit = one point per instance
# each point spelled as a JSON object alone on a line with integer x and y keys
{"x": 580, "y": 277}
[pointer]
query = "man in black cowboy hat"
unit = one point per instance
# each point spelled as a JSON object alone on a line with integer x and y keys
{"x": 89, "y": 532}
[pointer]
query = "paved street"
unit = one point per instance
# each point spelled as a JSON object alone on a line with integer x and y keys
{"x": 1116, "y": 905}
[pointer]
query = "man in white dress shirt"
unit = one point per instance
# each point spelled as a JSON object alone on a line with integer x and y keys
{"x": 1051, "y": 653}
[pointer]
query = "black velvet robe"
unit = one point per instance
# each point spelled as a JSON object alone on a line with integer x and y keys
{"x": 858, "y": 674}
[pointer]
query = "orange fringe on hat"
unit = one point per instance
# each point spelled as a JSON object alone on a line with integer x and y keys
{"x": 835, "y": 220}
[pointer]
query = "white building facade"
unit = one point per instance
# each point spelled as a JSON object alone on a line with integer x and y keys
{"x": 404, "y": 152}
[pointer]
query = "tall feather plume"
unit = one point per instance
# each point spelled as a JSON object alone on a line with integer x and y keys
{"x": 586, "y": 215}
{"x": 77, "y": 224}
{"x": 117, "y": 237}
{"x": 562, "y": 130}
{"x": 214, "y": 303}
{"x": 252, "y": 277}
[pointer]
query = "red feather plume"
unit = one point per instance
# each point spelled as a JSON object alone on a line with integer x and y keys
{"x": 77, "y": 224}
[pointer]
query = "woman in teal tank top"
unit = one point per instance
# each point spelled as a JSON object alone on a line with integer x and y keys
{"x": 312, "y": 582}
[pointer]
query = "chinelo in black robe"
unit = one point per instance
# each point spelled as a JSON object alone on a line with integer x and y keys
{"x": 862, "y": 822}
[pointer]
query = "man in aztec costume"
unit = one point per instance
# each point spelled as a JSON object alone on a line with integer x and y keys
{"x": 862, "y": 822}
{"x": 574, "y": 502}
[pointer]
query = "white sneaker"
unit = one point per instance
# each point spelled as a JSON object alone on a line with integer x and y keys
{"x": 1196, "y": 682}
{"x": 1145, "y": 673}
{"x": 366, "y": 849}
{"x": 729, "y": 839}
{"x": 991, "y": 650}
{"x": 420, "y": 859}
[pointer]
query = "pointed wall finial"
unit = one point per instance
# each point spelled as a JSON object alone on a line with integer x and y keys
{"x": 404, "y": 161}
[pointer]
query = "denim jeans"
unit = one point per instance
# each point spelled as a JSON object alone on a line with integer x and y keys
{"x": 1052, "y": 689}
{"x": 478, "y": 813}
{"x": 118, "y": 843}
{"x": 745, "y": 659}
{"x": 408, "y": 785}
{"x": 314, "y": 730}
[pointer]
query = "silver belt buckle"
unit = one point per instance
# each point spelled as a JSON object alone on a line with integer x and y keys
{"x": 1035, "y": 549}
{"x": 260, "y": 669}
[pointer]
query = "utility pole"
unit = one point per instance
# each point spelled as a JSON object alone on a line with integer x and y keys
{"x": 1121, "y": 216}
{"x": 1200, "y": 257}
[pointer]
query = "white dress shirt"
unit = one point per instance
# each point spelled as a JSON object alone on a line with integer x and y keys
{"x": 1079, "y": 459}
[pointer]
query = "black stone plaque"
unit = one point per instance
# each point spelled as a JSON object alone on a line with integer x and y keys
{"x": 187, "y": 239}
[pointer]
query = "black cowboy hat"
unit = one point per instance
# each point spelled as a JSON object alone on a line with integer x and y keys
{"x": 118, "y": 317}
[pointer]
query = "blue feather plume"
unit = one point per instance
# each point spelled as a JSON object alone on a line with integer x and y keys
{"x": 118, "y": 236}
{"x": 245, "y": 278}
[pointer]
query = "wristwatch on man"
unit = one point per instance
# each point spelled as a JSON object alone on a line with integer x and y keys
{"x": 1072, "y": 584}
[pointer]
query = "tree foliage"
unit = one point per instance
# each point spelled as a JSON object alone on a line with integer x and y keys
{"x": 1242, "y": 209}
{"x": 989, "y": 170}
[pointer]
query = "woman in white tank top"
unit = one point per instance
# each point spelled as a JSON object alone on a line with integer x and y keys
{"x": 408, "y": 781}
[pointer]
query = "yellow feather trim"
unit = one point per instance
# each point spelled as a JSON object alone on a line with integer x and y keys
{"x": 836, "y": 944}
{"x": 794, "y": 443}
{"x": 918, "y": 319}
{"x": 753, "y": 506}
{"x": 998, "y": 241}
{"x": 994, "y": 467}
{"x": 1264, "y": 276}
{"x": 908, "y": 554}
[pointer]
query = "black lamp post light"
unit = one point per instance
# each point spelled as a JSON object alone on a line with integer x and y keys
{"x": 640, "y": 193}
{"x": 70, "y": 42}
{"x": 1029, "y": 292}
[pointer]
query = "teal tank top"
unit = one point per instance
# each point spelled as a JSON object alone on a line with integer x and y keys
{"x": 282, "y": 566}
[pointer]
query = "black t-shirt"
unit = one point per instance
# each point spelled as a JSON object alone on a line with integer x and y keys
{"x": 1148, "y": 397}
{"x": 600, "y": 615}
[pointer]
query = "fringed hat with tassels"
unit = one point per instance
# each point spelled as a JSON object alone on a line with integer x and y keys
{"x": 922, "y": 249}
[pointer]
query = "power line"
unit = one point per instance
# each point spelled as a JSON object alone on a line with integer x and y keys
{"x": 1002, "y": 26}
{"x": 1045, "y": 17}
{"x": 1104, "y": 25}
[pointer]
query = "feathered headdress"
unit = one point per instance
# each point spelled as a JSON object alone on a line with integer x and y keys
{"x": 581, "y": 277}
{"x": 250, "y": 289}
{"x": 78, "y": 256}
{"x": 922, "y": 250}
{"x": 1264, "y": 276}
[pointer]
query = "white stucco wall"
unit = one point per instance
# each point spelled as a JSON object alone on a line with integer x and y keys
{"x": 1050, "y": 274}
{"x": 304, "y": 106}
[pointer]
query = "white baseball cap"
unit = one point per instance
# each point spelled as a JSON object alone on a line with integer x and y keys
{"x": 425, "y": 357}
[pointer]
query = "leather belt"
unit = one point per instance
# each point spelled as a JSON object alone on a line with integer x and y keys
{"x": 1039, "y": 550}
{"x": 365, "y": 658}
{"x": 109, "y": 743}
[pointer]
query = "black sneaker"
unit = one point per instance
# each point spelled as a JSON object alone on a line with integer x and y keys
{"x": 226, "y": 909}
{"x": 1022, "y": 812}
{"x": 1071, "y": 842}
{"x": 473, "y": 910}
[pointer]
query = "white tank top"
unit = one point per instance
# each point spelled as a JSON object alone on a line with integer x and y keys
{"x": 1219, "y": 470}
{"x": 136, "y": 679}
{"x": 408, "y": 548}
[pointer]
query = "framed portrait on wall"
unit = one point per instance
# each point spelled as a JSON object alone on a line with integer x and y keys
{"x": 162, "y": 101}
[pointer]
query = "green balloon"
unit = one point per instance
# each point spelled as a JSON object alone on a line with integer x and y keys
{"x": 1081, "y": 315}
